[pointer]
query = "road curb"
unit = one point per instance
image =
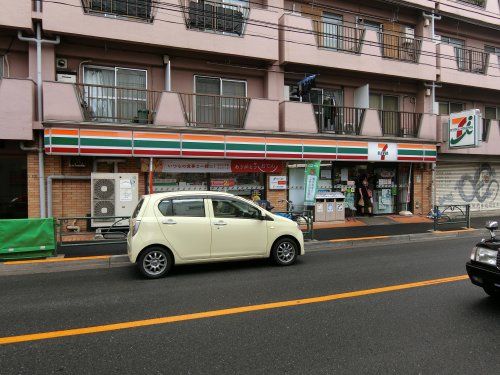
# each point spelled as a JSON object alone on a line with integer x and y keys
{"x": 114, "y": 261}
{"x": 400, "y": 238}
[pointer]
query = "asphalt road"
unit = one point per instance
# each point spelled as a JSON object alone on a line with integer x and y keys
{"x": 449, "y": 328}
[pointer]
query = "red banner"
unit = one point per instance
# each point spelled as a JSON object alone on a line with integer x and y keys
{"x": 260, "y": 166}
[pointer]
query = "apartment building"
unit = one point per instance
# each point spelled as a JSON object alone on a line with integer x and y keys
{"x": 176, "y": 95}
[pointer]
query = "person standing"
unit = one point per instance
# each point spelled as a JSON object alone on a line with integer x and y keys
{"x": 366, "y": 197}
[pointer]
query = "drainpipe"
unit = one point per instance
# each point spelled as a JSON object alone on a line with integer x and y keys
{"x": 49, "y": 187}
{"x": 168, "y": 77}
{"x": 38, "y": 41}
{"x": 432, "y": 17}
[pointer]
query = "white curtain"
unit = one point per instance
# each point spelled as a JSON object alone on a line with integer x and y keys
{"x": 101, "y": 98}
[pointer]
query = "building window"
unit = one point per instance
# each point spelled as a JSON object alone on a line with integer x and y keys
{"x": 493, "y": 50}
{"x": 453, "y": 41}
{"x": 141, "y": 9}
{"x": 220, "y": 101}
{"x": 224, "y": 16}
{"x": 492, "y": 113}
{"x": 115, "y": 94}
{"x": 384, "y": 102}
{"x": 446, "y": 108}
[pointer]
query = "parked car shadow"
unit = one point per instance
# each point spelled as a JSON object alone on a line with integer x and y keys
{"x": 220, "y": 267}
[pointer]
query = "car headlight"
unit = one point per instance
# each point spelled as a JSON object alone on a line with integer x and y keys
{"x": 486, "y": 256}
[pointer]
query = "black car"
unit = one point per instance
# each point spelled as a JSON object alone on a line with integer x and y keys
{"x": 484, "y": 266}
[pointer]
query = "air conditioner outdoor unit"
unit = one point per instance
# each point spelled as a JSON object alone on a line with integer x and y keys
{"x": 113, "y": 195}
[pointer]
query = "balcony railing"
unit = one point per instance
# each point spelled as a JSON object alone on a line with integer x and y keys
{"x": 400, "y": 47}
{"x": 339, "y": 37}
{"x": 140, "y": 9}
{"x": 214, "y": 111}
{"x": 215, "y": 16}
{"x": 479, "y": 3}
{"x": 117, "y": 104}
{"x": 486, "y": 129}
{"x": 400, "y": 124}
{"x": 469, "y": 60}
{"x": 338, "y": 120}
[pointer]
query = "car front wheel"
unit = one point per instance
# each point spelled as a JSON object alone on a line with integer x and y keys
{"x": 285, "y": 252}
{"x": 155, "y": 262}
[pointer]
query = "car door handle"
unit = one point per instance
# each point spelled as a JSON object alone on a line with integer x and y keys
{"x": 169, "y": 222}
{"x": 220, "y": 223}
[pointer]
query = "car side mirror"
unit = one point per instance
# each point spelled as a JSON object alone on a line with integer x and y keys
{"x": 492, "y": 225}
{"x": 265, "y": 217}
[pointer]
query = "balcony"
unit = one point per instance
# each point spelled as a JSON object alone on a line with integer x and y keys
{"x": 338, "y": 120}
{"x": 478, "y": 3}
{"x": 167, "y": 28}
{"x": 469, "y": 60}
{"x": 355, "y": 49}
{"x": 16, "y": 14}
{"x": 214, "y": 111}
{"x": 400, "y": 124}
{"x": 468, "y": 67}
{"x": 338, "y": 37}
{"x": 398, "y": 47}
{"x": 137, "y": 9}
{"x": 216, "y": 17}
{"x": 16, "y": 108}
{"x": 118, "y": 106}
{"x": 483, "y": 11}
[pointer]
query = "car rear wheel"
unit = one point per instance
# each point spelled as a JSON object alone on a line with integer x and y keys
{"x": 492, "y": 291}
{"x": 285, "y": 252}
{"x": 155, "y": 262}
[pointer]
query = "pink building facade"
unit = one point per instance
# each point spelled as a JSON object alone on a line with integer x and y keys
{"x": 117, "y": 86}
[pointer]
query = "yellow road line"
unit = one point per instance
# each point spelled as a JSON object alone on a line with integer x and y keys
{"x": 56, "y": 260}
{"x": 223, "y": 312}
{"x": 357, "y": 238}
{"x": 454, "y": 231}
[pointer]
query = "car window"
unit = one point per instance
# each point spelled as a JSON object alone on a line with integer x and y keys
{"x": 189, "y": 207}
{"x": 226, "y": 208}
{"x": 137, "y": 208}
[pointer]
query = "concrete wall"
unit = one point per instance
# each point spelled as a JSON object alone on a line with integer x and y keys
{"x": 16, "y": 108}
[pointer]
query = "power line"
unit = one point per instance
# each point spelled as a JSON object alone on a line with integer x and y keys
{"x": 297, "y": 30}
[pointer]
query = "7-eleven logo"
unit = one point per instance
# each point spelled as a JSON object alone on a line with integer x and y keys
{"x": 383, "y": 150}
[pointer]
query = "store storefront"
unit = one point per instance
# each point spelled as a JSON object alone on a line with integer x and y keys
{"x": 388, "y": 182}
{"x": 239, "y": 177}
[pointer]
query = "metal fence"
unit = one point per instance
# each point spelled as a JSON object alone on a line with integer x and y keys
{"x": 479, "y": 3}
{"x": 142, "y": 9}
{"x": 470, "y": 60}
{"x": 400, "y": 47}
{"x": 451, "y": 215}
{"x": 339, "y": 37}
{"x": 338, "y": 120}
{"x": 118, "y": 104}
{"x": 215, "y": 111}
{"x": 74, "y": 231}
{"x": 215, "y": 16}
{"x": 400, "y": 124}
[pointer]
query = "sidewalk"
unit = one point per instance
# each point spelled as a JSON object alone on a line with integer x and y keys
{"x": 385, "y": 226}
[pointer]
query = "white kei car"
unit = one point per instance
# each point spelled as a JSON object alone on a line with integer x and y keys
{"x": 195, "y": 227}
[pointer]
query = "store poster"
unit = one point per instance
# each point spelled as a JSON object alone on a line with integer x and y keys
{"x": 213, "y": 166}
{"x": 311, "y": 174}
{"x": 277, "y": 182}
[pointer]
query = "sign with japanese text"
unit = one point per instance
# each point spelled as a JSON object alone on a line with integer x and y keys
{"x": 213, "y": 166}
{"x": 311, "y": 175}
{"x": 277, "y": 182}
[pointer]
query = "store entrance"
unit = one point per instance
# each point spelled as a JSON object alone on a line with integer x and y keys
{"x": 14, "y": 191}
{"x": 385, "y": 185}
